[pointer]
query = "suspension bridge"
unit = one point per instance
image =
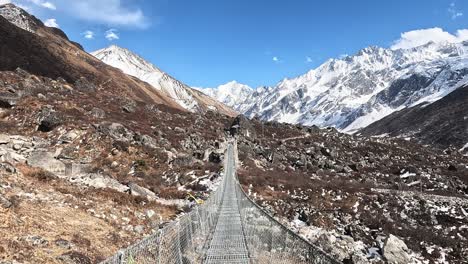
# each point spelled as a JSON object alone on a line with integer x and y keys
{"x": 228, "y": 228}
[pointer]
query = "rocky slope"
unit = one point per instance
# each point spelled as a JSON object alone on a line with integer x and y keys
{"x": 136, "y": 66}
{"x": 442, "y": 123}
{"x": 47, "y": 52}
{"x": 355, "y": 91}
{"x": 91, "y": 159}
{"x": 364, "y": 200}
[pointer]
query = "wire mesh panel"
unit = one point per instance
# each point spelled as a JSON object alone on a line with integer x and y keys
{"x": 269, "y": 241}
{"x": 227, "y": 228}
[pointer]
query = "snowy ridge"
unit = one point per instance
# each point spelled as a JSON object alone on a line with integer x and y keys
{"x": 19, "y": 17}
{"x": 355, "y": 91}
{"x": 136, "y": 66}
{"x": 229, "y": 94}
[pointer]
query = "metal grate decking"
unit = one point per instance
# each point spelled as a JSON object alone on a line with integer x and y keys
{"x": 228, "y": 242}
{"x": 228, "y": 228}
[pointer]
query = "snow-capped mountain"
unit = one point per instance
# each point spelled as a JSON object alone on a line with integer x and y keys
{"x": 19, "y": 17}
{"x": 136, "y": 66}
{"x": 355, "y": 91}
{"x": 230, "y": 94}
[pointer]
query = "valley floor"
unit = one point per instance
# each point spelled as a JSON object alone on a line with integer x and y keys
{"x": 363, "y": 200}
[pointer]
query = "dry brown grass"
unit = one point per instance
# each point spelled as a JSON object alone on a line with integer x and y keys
{"x": 36, "y": 173}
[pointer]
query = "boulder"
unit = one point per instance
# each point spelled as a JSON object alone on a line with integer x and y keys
{"x": 36, "y": 241}
{"x": 396, "y": 251}
{"x": 70, "y": 136}
{"x": 63, "y": 243}
{"x": 8, "y": 100}
{"x": 214, "y": 157}
{"x": 97, "y": 113}
{"x": 137, "y": 190}
{"x": 116, "y": 131}
{"x": 49, "y": 119}
{"x": 146, "y": 141}
{"x": 179, "y": 130}
{"x": 84, "y": 85}
{"x": 99, "y": 181}
{"x": 4, "y": 139}
{"x": 129, "y": 106}
{"x": 183, "y": 159}
{"x": 11, "y": 157}
{"x": 46, "y": 161}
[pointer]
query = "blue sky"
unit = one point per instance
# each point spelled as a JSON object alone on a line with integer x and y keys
{"x": 206, "y": 43}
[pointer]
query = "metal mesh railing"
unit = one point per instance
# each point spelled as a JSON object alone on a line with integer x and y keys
{"x": 193, "y": 237}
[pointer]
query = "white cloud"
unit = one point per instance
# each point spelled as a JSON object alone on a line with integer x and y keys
{"x": 111, "y": 34}
{"x": 309, "y": 59}
{"x": 51, "y": 22}
{"x": 277, "y": 59}
{"x": 2, "y": 2}
{"x": 88, "y": 34}
{"x": 45, "y": 4}
{"x": 454, "y": 12}
{"x": 420, "y": 37}
{"x": 108, "y": 12}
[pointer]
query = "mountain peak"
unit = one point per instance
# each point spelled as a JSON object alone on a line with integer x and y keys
{"x": 136, "y": 66}
{"x": 20, "y": 18}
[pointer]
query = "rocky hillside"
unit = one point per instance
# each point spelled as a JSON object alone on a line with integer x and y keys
{"x": 364, "y": 200}
{"x": 442, "y": 123}
{"x": 91, "y": 159}
{"x": 47, "y": 52}
{"x": 136, "y": 66}
{"x": 352, "y": 92}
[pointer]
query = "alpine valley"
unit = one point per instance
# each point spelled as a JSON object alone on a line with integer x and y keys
{"x": 353, "y": 92}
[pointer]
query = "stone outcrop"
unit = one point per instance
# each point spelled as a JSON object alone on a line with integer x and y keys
{"x": 396, "y": 251}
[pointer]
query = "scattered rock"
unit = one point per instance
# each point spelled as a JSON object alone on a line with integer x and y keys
{"x": 8, "y": 100}
{"x": 129, "y": 107}
{"x": 146, "y": 141}
{"x": 73, "y": 257}
{"x": 16, "y": 147}
{"x": 116, "y": 131}
{"x": 8, "y": 167}
{"x": 63, "y": 243}
{"x": 49, "y": 119}
{"x": 97, "y": 113}
{"x": 36, "y": 241}
{"x": 179, "y": 130}
{"x": 214, "y": 157}
{"x": 70, "y": 136}
{"x": 5, "y": 203}
{"x": 84, "y": 85}
{"x": 139, "y": 229}
{"x": 150, "y": 213}
{"x": 183, "y": 159}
